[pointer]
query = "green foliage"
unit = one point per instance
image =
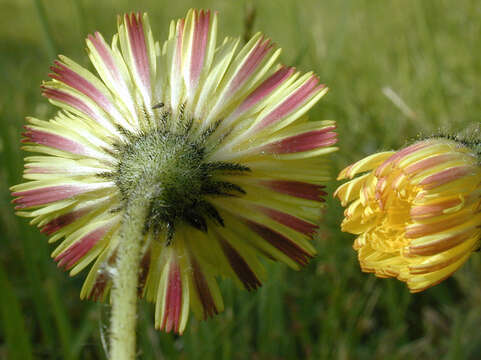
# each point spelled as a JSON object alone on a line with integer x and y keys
{"x": 396, "y": 69}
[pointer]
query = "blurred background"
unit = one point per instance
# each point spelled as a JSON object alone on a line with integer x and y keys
{"x": 397, "y": 70}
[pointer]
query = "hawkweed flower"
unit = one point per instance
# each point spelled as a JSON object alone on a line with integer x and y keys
{"x": 215, "y": 134}
{"x": 416, "y": 211}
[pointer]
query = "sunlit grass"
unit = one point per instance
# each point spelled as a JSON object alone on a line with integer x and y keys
{"x": 396, "y": 70}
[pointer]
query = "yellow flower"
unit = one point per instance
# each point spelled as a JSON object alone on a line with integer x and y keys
{"x": 216, "y": 133}
{"x": 416, "y": 211}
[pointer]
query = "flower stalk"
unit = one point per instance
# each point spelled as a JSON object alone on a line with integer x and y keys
{"x": 125, "y": 279}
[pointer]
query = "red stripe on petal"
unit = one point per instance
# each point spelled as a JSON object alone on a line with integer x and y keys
{"x": 295, "y": 100}
{"x": 201, "y": 34}
{"x": 40, "y": 170}
{"x": 424, "y": 211}
{"x": 49, "y": 194}
{"x": 68, "y": 258}
{"x": 419, "y": 230}
{"x": 143, "y": 272}
{"x": 173, "y": 299}
{"x": 98, "y": 42}
{"x": 281, "y": 242}
{"x": 393, "y": 160}
{"x": 62, "y": 221}
{"x": 446, "y": 176}
{"x": 429, "y": 162}
{"x": 250, "y": 64}
{"x": 290, "y": 221}
{"x": 180, "y": 36}
{"x": 99, "y": 286}
{"x": 438, "y": 246}
{"x": 138, "y": 47}
{"x": 68, "y": 99}
{"x": 203, "y": 290}
{"x": 78, "y": 82}
{"x": 240, "y": 266}
{"x": 266, "y": 88}
{"x": 54, "y": 141}
{"x": 297, "y": 189}
{"x": 303, "y": 142}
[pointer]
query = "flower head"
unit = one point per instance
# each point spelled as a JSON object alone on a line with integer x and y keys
{"x": 416, "y": 211}
{"x": 218, "y": 136}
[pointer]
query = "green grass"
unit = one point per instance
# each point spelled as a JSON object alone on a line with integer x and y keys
{"x": 426, "y": 53}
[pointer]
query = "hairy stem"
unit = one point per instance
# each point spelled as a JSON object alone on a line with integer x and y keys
{"x": 125, "y": 281}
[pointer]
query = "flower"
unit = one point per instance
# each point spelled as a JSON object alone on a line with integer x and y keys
{"x": 416, "y": 211}
{"x": 219, "y": 135}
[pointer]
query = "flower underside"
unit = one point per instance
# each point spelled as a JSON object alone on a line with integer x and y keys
{"x": 215, "y": 134}
{"x": 173, "y": 165}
